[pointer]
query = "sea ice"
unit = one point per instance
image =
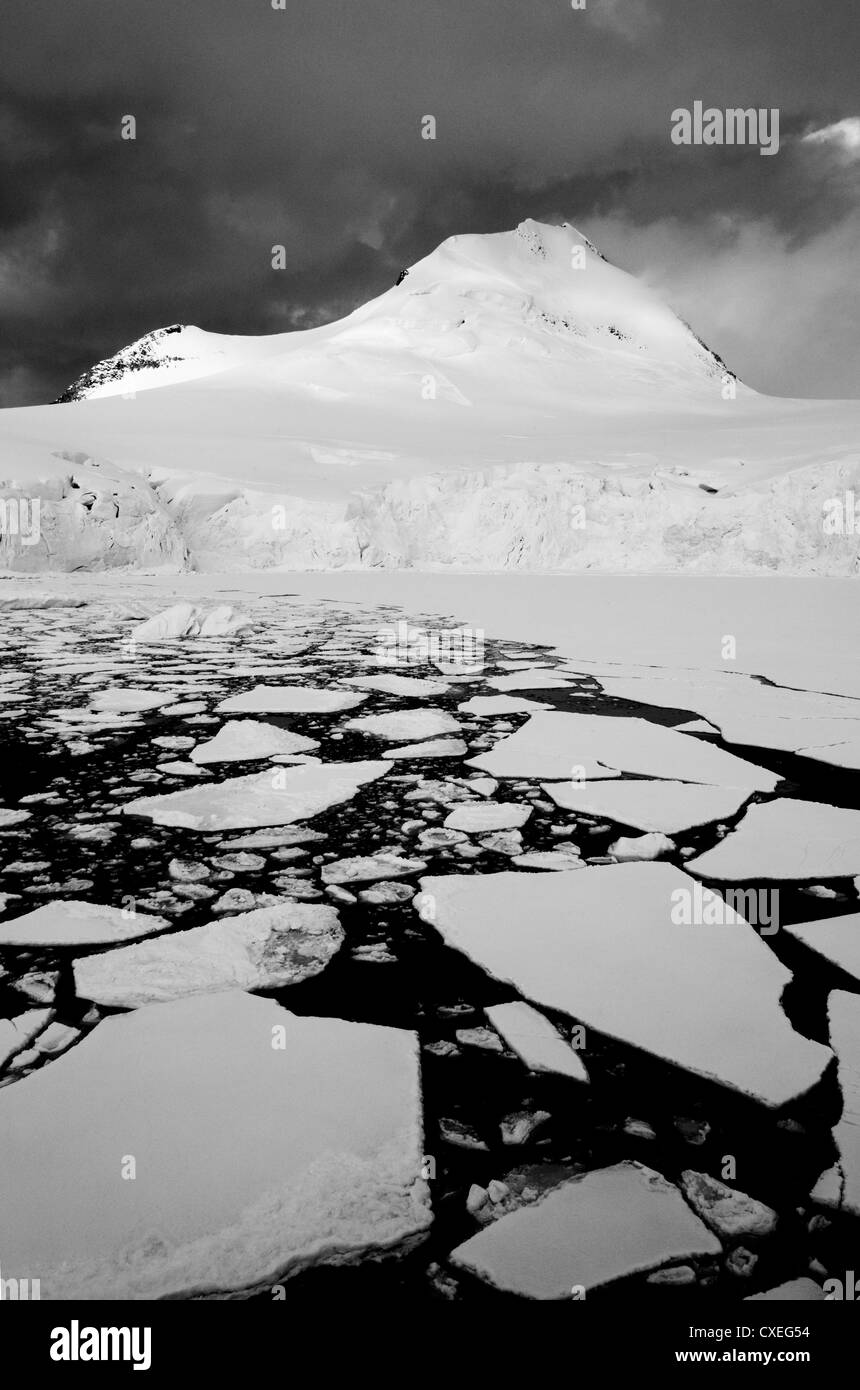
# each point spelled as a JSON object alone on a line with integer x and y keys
{"x": 398, "y": 685}
{"x": 242, "y": 739}
{"x": 608, "y": 1224}
{"x": 786, "y": 839}
{"x": 265, "y": 949}
{"x": 600, "y": 945}
{"x": 264, "y": 1142}
{"x": 274, "y": 797}
{"x": 500, "y": 704}
{"x": 534, "y": 1039}
{"x": 289, "y": 699}
{"x": 66, "y": 922}
{"x": 840, "y": 1186}
{"x": 405, "y": 724}
{"x": 436, "y": 748}
{"x": 650, "y": 805}
{"x": 553, "y": 745}
{"x": 486, "y": 816}
{"x": 836, "y": 939}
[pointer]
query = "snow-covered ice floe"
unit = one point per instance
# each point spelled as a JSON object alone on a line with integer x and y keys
{"x": 650, "y": 805}
{"x": 10, "y": 817}
{"x": 289, "y": 699}
{"x": 264, "y": 1143}
{"x": 435, "y": 748}
{"x": 609, "y": 1224}
{"x": 405, "y": 724}
{"x": 581, "y": 746}
{"x": 600, "y": 945}
{"x": 120, "y": 700}
{"x": 398, "y": 685}
{"x": 67, "y": 922}
{"x": 265, "y": 949}
{"x": 533, "y": 1038}
{"x": 274, "y": 797}
{"x": 839, "y": 1187}
{"x": 485, "y": 816}
{"x": 486, "y": 705}
{"x": 786, "y": 839}
{"x": 241, "y": 739}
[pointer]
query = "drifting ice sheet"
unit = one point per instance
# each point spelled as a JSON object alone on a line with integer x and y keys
{"x": 262, "y": 798}
{"x": 66, "y": 922}
{"x": 533, "y": 1038}
{"x": 289, "y": 699}
{"x": 551, "y": 745}
{"x": 786, "y": 840}
{"x": 837, "y": 939}
{"x": 406, "y": 724}
{"x": 241, "y": 739}
{"x": 665, "y": 806}
{"x": 840, "y": 1187}
{"x": 265, "y": 949}
{"x": 611, "y": 1223}
{"x": 253, "y": 1160}
{"x": 599, "y": 944}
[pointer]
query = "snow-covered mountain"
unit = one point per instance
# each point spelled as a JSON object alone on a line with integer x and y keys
{"x": 514, "y": 401}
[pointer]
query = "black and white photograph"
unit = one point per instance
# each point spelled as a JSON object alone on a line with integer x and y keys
{"x": 430, "y": 671}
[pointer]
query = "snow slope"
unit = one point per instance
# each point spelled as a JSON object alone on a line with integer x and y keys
{"x": 515, "y": 401}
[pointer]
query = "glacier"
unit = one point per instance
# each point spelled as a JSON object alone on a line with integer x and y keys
{"x": 515, "y": 402}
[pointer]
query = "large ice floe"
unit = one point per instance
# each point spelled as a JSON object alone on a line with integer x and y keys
{"x": 600, "y": 945}
{"x": 786, "y": 839}
{"x": 262, "y": 1143}
{"x": 835, "y": 939}
{"x": 840, "y": 1186}
{"x": 290, "y": 699}
{"x": 582, "y": 746}
{"x": 606, "y": 1225}
{"x": 273, "y": 797}
{"x": 265, "y": 949}
{"x": 745, "y": 710}
{"x": 648, "y": 804}
{"x": 242, "y": 739}
{"x": 67, "y": 922}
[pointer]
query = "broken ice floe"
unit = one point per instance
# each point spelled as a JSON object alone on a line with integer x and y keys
{"x": 259, "y": 799}
{"x": 241, "y": 740}
{"x": 540, "y": 1046}
{"x": 839, "y": 1187}
{"x": 262, "y": 1143}
{"x": 436, "y": 748}
{"x": 607, "y": 1225}
{"x": 582, "y": 746}
{"x": 650, "y": 805}
{"x": 485, "y": 816}
{"x": 600, "y": 945}
{"x": 398, "y": 685}
{"x": 265, "y": 949}
{"x": 486, "y": 705}
{"x": 836, "y": 939}
{"x": 289, "y": 699}
{"x": 786, "y": 839}
{"x": 405, "y": 724}
{"x": 66, "y": 922}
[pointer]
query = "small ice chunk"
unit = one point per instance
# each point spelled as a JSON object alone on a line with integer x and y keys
{"x": 534, "y": 1039}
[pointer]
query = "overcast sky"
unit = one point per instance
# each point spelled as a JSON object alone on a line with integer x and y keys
{"x": 302, "y": 126}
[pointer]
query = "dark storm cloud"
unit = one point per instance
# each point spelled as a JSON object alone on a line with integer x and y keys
{"x": 301, "y": 127}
